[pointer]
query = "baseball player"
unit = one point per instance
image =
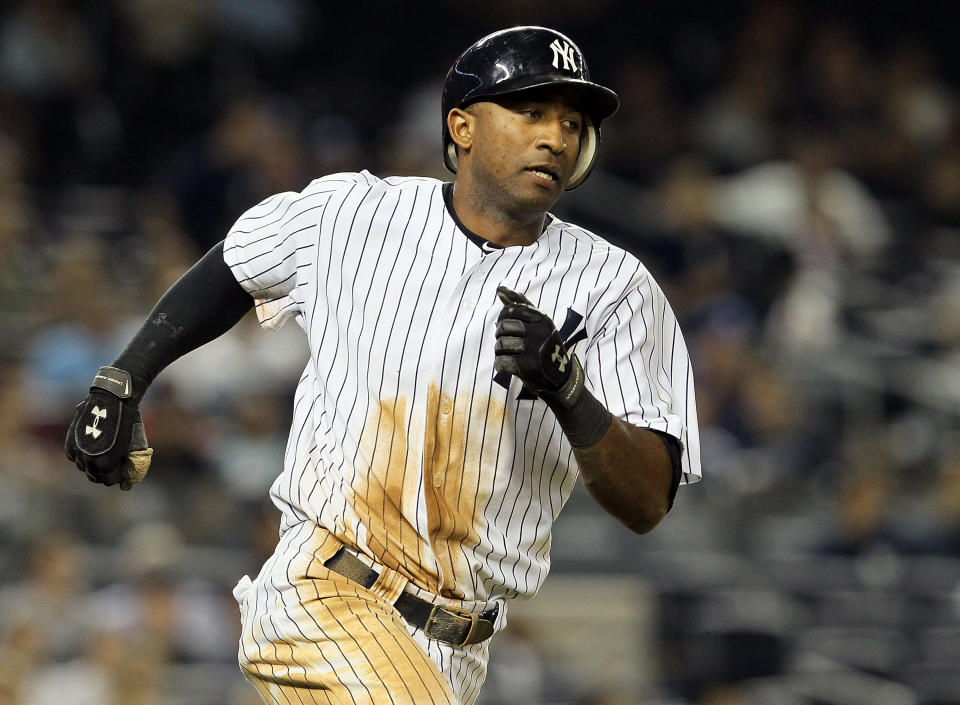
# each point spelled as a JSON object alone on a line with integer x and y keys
{"x": 470, "y": 356}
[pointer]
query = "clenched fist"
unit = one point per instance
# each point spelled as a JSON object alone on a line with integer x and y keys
{"x": 106, "y": 439}
{"x": 530, "y": 347}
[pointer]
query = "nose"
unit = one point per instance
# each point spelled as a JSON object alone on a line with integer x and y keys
{"x": 552, "y": 137}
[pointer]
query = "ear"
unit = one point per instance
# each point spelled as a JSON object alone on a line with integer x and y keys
{"x": 461, "y": 123}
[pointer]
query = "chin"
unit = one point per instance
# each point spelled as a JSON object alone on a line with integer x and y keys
{"x": 542, "y": 201}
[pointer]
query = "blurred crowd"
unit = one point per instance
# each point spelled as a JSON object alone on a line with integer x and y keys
{"x": 788, "y": 171}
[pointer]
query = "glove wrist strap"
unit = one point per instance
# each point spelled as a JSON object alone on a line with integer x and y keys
{"x": 582, "y": 417}
{"x": 114, "y": 380}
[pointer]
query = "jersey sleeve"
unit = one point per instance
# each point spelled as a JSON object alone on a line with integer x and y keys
{"x": 638, "y": 366}
{"x": 271, "y": 248}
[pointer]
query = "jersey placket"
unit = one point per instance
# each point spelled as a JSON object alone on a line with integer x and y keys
{"x": 447, "y": 423}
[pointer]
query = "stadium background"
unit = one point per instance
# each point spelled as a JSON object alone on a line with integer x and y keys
{"x": 790, "y": 172}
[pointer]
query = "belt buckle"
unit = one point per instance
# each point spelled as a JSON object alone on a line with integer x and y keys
{"x": 462, "y": 614}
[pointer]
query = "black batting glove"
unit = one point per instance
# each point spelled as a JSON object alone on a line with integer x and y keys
{"x": 106, "y": 439}
{"x": 530, "y": 347}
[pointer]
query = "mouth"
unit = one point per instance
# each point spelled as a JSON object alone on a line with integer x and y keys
{"x": 546, "y": 174}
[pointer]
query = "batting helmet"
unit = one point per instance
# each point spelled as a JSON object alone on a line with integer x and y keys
{"x": 518, "y": 59}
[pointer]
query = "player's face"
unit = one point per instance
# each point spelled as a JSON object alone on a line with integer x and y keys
{"x": 525, "y": 145}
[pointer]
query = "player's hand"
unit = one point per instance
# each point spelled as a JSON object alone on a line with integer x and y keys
{"x": 530, "y": 347}
{"x": 106, "y": 439}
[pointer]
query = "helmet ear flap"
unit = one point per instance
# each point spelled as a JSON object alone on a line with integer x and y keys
{"x": 450, "y": 155}
{"x": 587, "y": 156}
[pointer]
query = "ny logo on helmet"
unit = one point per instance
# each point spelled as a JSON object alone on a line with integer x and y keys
{"x": 564, "y": 50}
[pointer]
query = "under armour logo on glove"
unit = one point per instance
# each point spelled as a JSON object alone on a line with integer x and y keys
{"x": 560, "y": 356}
{"x": 98, "y": 414}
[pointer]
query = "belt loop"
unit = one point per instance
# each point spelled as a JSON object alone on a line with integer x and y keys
{"x": 321, "y": 547}
{"x": 328, "y": 547}
{"x": 389, "y": 584}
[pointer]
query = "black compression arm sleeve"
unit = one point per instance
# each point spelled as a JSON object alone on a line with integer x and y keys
{"x": 202, "y": 305}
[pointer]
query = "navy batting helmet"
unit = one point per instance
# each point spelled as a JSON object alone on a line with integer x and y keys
{"x": 520, "y": 58}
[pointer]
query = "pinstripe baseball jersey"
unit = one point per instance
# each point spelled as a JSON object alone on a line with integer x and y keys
{"x": 405, "y": 443}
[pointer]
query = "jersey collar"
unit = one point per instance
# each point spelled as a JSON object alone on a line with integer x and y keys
{"x": 477, "y": 240}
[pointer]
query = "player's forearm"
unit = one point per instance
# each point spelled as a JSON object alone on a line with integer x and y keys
{"x": 202, "y": 305}
{"x": 627, "y": 469}
{"x": 628, "y": 472}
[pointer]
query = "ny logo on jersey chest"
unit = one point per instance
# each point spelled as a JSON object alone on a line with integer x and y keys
{"x": 571, "y": 336}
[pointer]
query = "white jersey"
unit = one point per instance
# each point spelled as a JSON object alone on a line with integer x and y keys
{"x": 405, "y": 444}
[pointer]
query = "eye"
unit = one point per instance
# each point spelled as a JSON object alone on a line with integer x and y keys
{"x": 530, "y": 112}
{"x": 572, "y": 125}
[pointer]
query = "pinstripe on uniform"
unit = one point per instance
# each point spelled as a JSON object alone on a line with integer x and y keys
{"x": 403, "y": 445}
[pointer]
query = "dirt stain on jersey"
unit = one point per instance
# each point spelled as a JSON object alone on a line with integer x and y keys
{"x": 457, "y": 479}
{"x": 386, "y": 498}
{"x": 455, "y": 486}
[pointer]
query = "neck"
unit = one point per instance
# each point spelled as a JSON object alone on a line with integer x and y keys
{"x": 483, "y": 216}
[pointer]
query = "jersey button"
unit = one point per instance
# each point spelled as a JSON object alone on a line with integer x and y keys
{"x": 437, "y": 480}
{"x": 469, "y": 305}
{"x": 446, "y": 406}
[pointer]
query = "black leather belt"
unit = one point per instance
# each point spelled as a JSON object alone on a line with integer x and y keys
{"x": 441, "y": 622}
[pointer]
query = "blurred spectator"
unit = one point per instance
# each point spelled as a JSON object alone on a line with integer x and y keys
{"x": 185, "y": 435}
{"x": 166, "y": 33}
{"x": 80, "y": 311}
{"x": 20, "y": 654}
{"x": 823, "y": 214}
{"x": 271, "y": 26}
{"x": 207, "y": 377}
{"x": 43, "y": 611}
{"x": 736, "y": 127}
{"x": 412, "y": 144}
{"x": 920, "y": 104}
{"x": 864, "y": 503}
{"x": 521, "y": 678}
{"x": 46, "y": 51}
{"x": 336, "y": 144}
{"x": 251, "y": 152}
{"x": 19, "y": 262}
{"x": 940, "y": 182}
{"x": 249, "y": 453}
{"x": 49, "y": 66}
{"x": 839, "y": 83}
{"x": 179, "y": 617}
{"x": 943, "y": 533}
{"x": 31, "y": 478}
{"x": 649, "y": 127}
